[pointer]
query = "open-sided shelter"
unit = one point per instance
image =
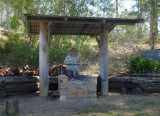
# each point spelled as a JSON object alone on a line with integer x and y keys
{"x": 45, "y": 26}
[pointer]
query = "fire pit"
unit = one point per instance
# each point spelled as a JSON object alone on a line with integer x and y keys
{"x": 78, "y": 88}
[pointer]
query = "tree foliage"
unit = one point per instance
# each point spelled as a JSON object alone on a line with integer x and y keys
{"x": 27, "y": 49}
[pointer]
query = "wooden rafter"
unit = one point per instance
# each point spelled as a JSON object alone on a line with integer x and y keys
{"x": 76, "y": 25}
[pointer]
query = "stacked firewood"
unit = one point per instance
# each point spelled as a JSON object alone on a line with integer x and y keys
{"x": 57, "y": 70}
{"x": 27, "y": 71}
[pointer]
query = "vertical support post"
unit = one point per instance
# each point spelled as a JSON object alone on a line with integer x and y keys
{"x": 43, "y": 60}
{"x": 104, "y": 61}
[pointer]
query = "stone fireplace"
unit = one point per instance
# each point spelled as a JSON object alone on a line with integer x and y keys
{"x": 82, "y": 88}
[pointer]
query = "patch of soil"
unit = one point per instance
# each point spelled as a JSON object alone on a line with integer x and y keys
{"x": 33, "y": 105}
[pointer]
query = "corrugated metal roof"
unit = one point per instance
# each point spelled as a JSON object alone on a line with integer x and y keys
{"x": 69, "y": 25}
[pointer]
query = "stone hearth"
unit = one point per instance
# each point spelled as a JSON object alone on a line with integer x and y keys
{"x": 82, "y": 88}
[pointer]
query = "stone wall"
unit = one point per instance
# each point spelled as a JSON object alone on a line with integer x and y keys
{"x": 76, "y": 91}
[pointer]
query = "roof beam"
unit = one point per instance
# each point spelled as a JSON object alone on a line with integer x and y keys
{"x": 77, "y": 22}
{"x": 83, "y": 28}
{"x": 111, "y": 27}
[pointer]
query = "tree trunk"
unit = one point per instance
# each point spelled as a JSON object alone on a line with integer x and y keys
{"x": 117, "y": 9}
{"x": 139, "y": 5}
{"x": 1, "y": 17}
{"x": 153, "y": 23}
{"x": 7, "y": 15}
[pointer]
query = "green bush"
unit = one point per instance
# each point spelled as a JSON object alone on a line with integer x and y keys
{"x": 157, "y": 67}
{"x": 16, "y": 52}
{"x": 140, "y": 65}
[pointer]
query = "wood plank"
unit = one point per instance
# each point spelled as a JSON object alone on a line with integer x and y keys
{"x": 44, "y": 60}
{"x": 77, "y": 22}
{"x": 104, "y": 61}
{"x": 90, "y": 34}
{"x": 111, "y": 27}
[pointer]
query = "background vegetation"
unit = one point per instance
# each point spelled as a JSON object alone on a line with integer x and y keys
{"x": 140, "y": 65}
{"x": 18, "y": 48}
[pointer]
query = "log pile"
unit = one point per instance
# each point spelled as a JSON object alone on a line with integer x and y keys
{"x": 27, "y": 71}
{"x": 135, "y": 85}
{"x": 57, "y": 70}
{"x": 17, "y": 85}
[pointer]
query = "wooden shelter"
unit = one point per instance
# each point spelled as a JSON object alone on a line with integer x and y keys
{"x": 67, "y": 25}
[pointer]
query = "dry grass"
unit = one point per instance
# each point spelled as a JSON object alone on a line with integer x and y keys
{"x": 119, "y": 56}
{"x": 143, "y": 107}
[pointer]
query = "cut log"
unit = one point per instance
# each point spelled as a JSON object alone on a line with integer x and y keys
{"x": 53, "y": 80}
{"x": 18, "y": 79}
{"x": 137, "y": 90}
{"x": 28, "y": 73}
{"x": 28, "y": 87}
{"x": 2, "y": 83}
{"x": 150, "y": 87}
{"x": 118, "y": 85}
{"x": 2, "y": 94}
{"x": 12, "y": 106}
{"x": 18, "y": 93}
{"x": 123, "y": 90}
{"x": 137, "y": 85}
{"x": 57, "y": 70}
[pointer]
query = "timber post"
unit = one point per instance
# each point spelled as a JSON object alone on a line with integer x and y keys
{"x": 104, "y": 60}
{"x": 12, "y": 106}
{"x": 44, "y": 60}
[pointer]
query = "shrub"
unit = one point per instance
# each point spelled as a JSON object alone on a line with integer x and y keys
{"x": 16, "y": 52}
{"x": 157, "y": 67}
{"x": 140, "y": 65}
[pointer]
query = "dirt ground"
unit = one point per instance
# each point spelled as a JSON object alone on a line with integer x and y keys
{"x": 33, "y": 105}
